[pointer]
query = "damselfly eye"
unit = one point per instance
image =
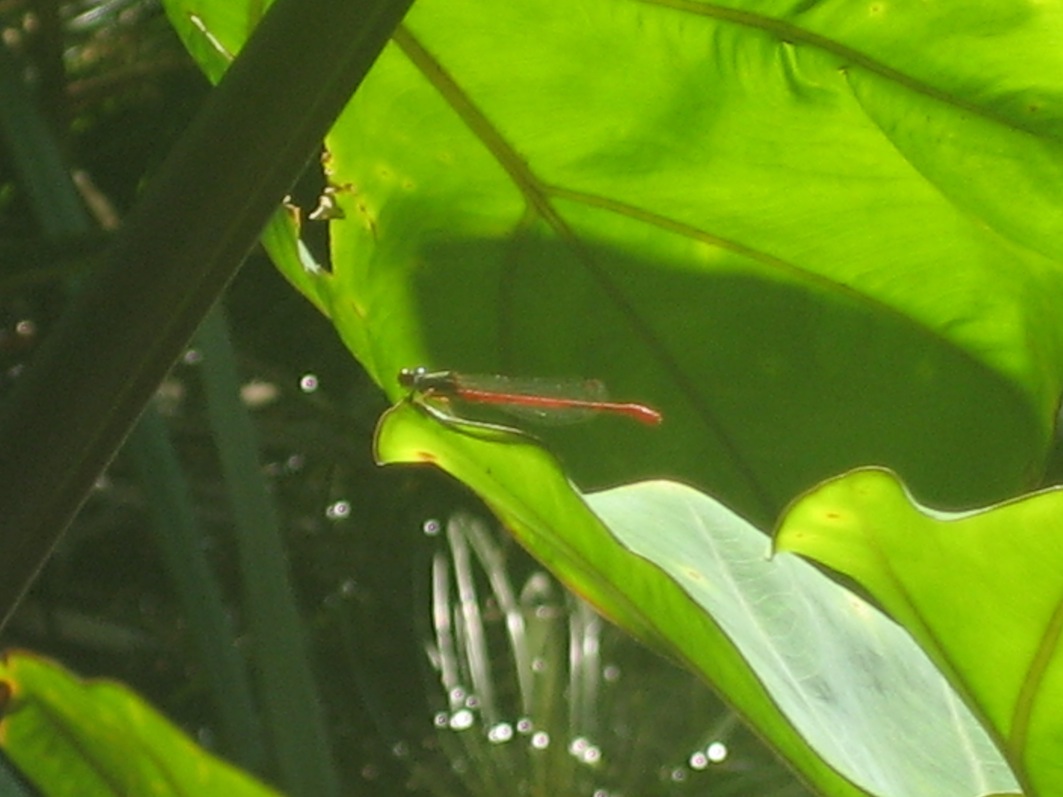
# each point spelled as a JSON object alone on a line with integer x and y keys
{"x": 408, "y": 376}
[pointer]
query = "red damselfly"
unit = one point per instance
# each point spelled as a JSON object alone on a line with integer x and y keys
{"x": 544, "y": 399}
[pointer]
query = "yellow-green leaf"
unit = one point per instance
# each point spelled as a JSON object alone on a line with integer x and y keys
{"x": 75, "y": 738}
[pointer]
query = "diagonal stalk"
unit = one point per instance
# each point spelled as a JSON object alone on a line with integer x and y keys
{"x": 184, "y": 242}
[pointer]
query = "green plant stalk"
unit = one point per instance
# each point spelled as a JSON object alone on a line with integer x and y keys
{"x": 289, "y": 696}
{"x": 180, "y": 540}
{"x": 35, "y": 156}
{"x": 61, "y": 215}
{"x": 182, "y": 245}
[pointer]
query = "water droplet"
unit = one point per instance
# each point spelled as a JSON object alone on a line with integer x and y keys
{"x": 400, "y": 749}
{"x": 699, "y": 761}
{"x": 502, "y": 732}
{"x": 457, "y": 695}
{"x": 431, "y": 527}
{"x": 25, "y": 328}
{"x": 257, "y": 393}
{"x": 537, "y": 589}
{"x": 169, "y": 395}
{"x": 540, "y": 740}
{"x": 472, "y": 701}
{"x": 586, "y": 752}
{"x": 611, "y": 673}
{"x": 192, "y": 357}
{"x": 678, "y": 775}
{"x": 308, "y": 383}
{"x": 441, "y": 719}
{"x": 295, "y": 463}
{"x": 338, "y": 510}
{"x": 538, "y": 665}
{"x": 717, "y": 752}
{"x": 461, "y": 720}
{"x": 525, "y": 726}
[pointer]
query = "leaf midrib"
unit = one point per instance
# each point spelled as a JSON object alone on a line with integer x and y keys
{"x": 537, "y": 195}
{"x": 850, "y": 57}
{"x": 1032, "y": 684}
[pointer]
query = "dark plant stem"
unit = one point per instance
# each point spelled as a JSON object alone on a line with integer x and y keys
{"x": 182, "y": 245}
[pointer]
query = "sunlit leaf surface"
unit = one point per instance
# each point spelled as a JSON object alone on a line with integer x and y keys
{"x": 815, "y": 235}
{"x": 835, "y": 686}
{"x": 980, "y": 592}
{"x": 98, "y": 739}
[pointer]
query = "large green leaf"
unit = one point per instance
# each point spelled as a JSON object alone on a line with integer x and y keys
{"x": 98, "y": 739}
{"x": 838, "y": 689}
{"x": 748, "y": 214}
{"x": 980, "y": 591}
{"x": 817, "y": 235}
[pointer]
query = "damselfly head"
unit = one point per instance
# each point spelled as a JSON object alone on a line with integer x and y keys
{"x": 410, "y": 377}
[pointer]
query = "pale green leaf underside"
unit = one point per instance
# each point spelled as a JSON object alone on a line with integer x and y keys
{"x": 852, "y": 682}
{"x": 980, "y": 591}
